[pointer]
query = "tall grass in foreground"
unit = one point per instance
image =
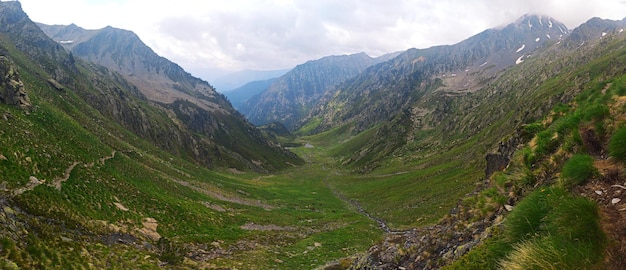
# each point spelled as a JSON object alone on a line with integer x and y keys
{"x": 563, "y": 233}
{"x": 549, "y": 229}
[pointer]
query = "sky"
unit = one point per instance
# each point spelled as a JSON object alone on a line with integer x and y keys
{"x": 210, "y": 38}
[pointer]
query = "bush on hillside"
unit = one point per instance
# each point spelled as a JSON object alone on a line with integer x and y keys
{"x": 617, "y": 144}
{"x": 571, "y": 236}
{"x": 527, "y": 219}
{"x": 577, "y": 170}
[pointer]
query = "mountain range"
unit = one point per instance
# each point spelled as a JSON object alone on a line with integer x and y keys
{"x": 504, "y": 150}
{"x": 290, "y": 97}
{"x": 192, "y": 105}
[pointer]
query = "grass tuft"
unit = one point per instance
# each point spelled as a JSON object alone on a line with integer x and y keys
{"x": 617, "y": 144}
{"x": 577, "y": 170}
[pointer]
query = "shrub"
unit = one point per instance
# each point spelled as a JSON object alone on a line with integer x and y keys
{"x": 529, "y": 157}
{"x": 573, "y": 238}
{"x": 567, "y": 123}
{"x": 171, "y": 252}
{"x": 485, "y": 256}
{"x": 545, "y": 143}
{"x": 576, "y": 219}
{"x": 596, "y": 112}
{"x": 577, "y": 170}
{"x": 532, "y": 129}
{"x": 621, "y": 89}
{"x": 526, "y": 220}
{"x": 617, "y": 144}
{"x": 532, "y": 254}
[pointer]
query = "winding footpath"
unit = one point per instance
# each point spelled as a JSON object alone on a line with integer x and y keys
{"x": 56, "y": 183}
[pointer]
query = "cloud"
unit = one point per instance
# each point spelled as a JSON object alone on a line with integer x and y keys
{"x": 272, "y": 34}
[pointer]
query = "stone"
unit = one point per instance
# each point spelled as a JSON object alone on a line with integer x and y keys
{"x": 616, "y": 200}
{"x": 12, "y": 90}
{"x": 120, "y": 206}
{"x": 66, "y": 239}
{"x": 33, "y": 180}
{"x": 508, "y": 207}
{"x": 150, "y": 228}
{"x": 599, "y": 192}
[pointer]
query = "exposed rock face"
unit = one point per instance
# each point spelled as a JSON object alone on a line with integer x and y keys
{"x": 499, "y": 160}
{"x": 12, "y": 90}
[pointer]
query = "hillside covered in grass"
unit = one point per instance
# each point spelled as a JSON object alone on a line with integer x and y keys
{"x": 523, "y": 170}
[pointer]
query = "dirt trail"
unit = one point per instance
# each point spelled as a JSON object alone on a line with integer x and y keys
{"x": 56, "y": 183}
{"x": 225, "y": 198}
{"x": 59, "y": 180}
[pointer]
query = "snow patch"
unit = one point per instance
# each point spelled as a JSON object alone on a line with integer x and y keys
{"x": 521, "y": 48}
{"x": 604, "y": 33}
{"x": 483, "y": 64}
{"x": 66, "y": 41}
{"x": 548, "y": 36}
{"x": 549, "y": 23}
{"x": 537, "y": 39}
{"x": 467, "y": 70}
{"x": 519, "y": 60}
{"x": 530, "y": 25}
{"x": 621, "y": 30}
{"x": 540, "y": 22}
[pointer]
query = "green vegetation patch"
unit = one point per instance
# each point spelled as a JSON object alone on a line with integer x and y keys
{"x": 617, "y": 144}
{"x": 577, "y": 170}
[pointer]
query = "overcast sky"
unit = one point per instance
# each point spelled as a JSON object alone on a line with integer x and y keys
{"x": 206, "y": 37}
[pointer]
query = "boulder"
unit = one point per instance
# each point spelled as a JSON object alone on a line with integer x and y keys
{"x": 12, "y": 90}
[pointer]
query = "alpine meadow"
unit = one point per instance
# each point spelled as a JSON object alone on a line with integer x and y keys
{"x": 506, "y": 150}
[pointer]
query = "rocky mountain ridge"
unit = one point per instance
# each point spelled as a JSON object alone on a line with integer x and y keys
{"x": 157, "y": 78}
{"x": 395, "y": 85}
{"x": 190, "y": 119}
{"x": 290, "y": 97}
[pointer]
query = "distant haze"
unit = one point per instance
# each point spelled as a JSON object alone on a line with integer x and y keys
{"x": 209, "y": 38}
{"x": 237, "y": 79}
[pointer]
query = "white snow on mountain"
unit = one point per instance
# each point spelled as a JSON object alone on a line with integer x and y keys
{"x": 519, "y": 60}
{"x": 521, "y": 48}
{"x": 537, "y": 39}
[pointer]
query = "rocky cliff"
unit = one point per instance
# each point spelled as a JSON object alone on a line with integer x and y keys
{"x": 12, "y": 90}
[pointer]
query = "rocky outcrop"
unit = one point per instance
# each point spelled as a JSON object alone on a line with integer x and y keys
{"x": 499, "y": 160}
{"x": 12, "y": 90}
